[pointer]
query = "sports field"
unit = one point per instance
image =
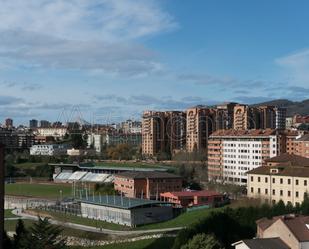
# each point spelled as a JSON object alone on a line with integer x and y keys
{"x": 42, "y": 190}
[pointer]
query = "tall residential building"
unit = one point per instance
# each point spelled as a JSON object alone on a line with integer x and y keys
{"x": 163, "y": 132}
{"x": 231, "y": 153}
{"x": 261, "y": 117}
{"x": 280, "y": 117}
{"x": 175, "y": 131}
{"x": 33, "y": 124}
{"x": 200, "y": 123}
{"x": 266, "y": 117}
{"x": 224, "y": 116}
{"x": 153, "y": 127}
{"x": 44, "y": 124}
{"x": 245, "y": 117}
{"x": 9, "y": 123}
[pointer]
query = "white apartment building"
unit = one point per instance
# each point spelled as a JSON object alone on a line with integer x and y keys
{"x": 97, "y": 141}
{"x": 49, "y": 149}
{"x": 52, "y": 132}
{"x": 231, "y": 154}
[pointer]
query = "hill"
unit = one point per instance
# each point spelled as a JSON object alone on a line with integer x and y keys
{"x": 293, "y": 107}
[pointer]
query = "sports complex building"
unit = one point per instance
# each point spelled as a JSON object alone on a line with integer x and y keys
{"x": 88, "y": 172}
{"x": 125, "y": 211}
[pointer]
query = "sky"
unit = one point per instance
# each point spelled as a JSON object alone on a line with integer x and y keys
{"x": 108, "y": 60}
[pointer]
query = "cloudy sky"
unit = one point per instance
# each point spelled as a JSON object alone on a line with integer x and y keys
{"x": 111, "y": 59}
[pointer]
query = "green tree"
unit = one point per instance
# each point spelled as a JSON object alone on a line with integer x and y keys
{"x": 22, "y": 239}
{"x": 203, "y": 241}
{"x": 46, "y": 236}
{"x": 305, "y": 205}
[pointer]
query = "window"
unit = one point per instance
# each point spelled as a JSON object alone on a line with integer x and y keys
{"x": 305, "y": 182}
{"x": 251, "y": 178}
{"x": 281, "y": 181}
{"x": 274, "y": 180}
{"x": 252, "y": 190}
{"x": 296, "y": 194}
{"x": 289, "y": 193}
{"x": 266, "y": 179}
{"x": 266, "y": 191}
{"x": 274, "y": 192}
{"x": 259, "y": 190}
{"x": 296, "y": 182}
{"x": 281, "y": 192}
{"x": 289, "y": 181}
{"x": 259, "y": 179}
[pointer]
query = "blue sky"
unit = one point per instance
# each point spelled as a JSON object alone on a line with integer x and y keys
{"x": 108, "y": 60}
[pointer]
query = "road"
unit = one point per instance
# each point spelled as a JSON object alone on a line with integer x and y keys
{"x": 18, "y": 212}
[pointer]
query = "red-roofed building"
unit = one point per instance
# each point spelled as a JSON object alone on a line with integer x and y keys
{"x": 192, "y": 198}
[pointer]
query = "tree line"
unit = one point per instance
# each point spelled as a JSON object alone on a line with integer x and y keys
{"x": 222, "y": 228}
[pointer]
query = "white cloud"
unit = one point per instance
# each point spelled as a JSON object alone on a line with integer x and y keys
{"x": 81, "y": 34}
{"x": 296, "y": 66}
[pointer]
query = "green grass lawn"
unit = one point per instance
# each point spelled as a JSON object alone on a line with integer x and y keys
{"x": 28, "y": 165}
{"x": 8, "y": 214}
{"x": 161, "y": 243}
{"x": 83, "y": 221}
{"x": 182, "y": 220}
{"x": 38, "y": 190}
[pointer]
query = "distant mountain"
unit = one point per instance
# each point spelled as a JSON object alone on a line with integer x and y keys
{"x": 292, "y": 107}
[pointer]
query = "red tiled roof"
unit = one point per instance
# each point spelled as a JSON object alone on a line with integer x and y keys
{"x": 290, "y": 159}
{"x": 296, "y": 224}
{"x": 231, "y": 132}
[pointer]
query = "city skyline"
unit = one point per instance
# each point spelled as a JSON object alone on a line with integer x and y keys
{"x": 119, "y": 58}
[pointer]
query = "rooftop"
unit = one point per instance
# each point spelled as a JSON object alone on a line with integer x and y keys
{"x": 283, "y": 170}
{"x": 121, "y": 202}
{"x": 297, "y": 224}
{"x": 290, "y": 159}
{"x": 145, "y": 174}
{"x": 267, "y": 243}
{"x": 244, "y": 133}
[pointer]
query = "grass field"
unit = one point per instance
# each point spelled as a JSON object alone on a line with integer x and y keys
{"x": 28, "y": 165}
{"x": 161, "y": 243}
{"x": 83, "y": 221}
{"x": 38, "y": 190}
{"x": 8, "y": 214}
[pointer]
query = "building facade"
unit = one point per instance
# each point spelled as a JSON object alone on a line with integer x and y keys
{"x": 125, "y": 211}
{"x": 49, "y": 149}
{"x": 146, "y": 185}
{"x": 163, "y": 132}
{"x": 231, "y": 153}
{"x": 200, "y": 124}
{"x": 285, "y": 178}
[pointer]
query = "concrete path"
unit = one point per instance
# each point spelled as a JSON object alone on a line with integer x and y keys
{"x": 19, "y": 212}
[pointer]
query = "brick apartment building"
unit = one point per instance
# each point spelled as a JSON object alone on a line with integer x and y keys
{"x": 146, "y": 185}
{"x": 163, "y": 132}
{"x": 231, "y": 153}
{"x": 301, "y": 146}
